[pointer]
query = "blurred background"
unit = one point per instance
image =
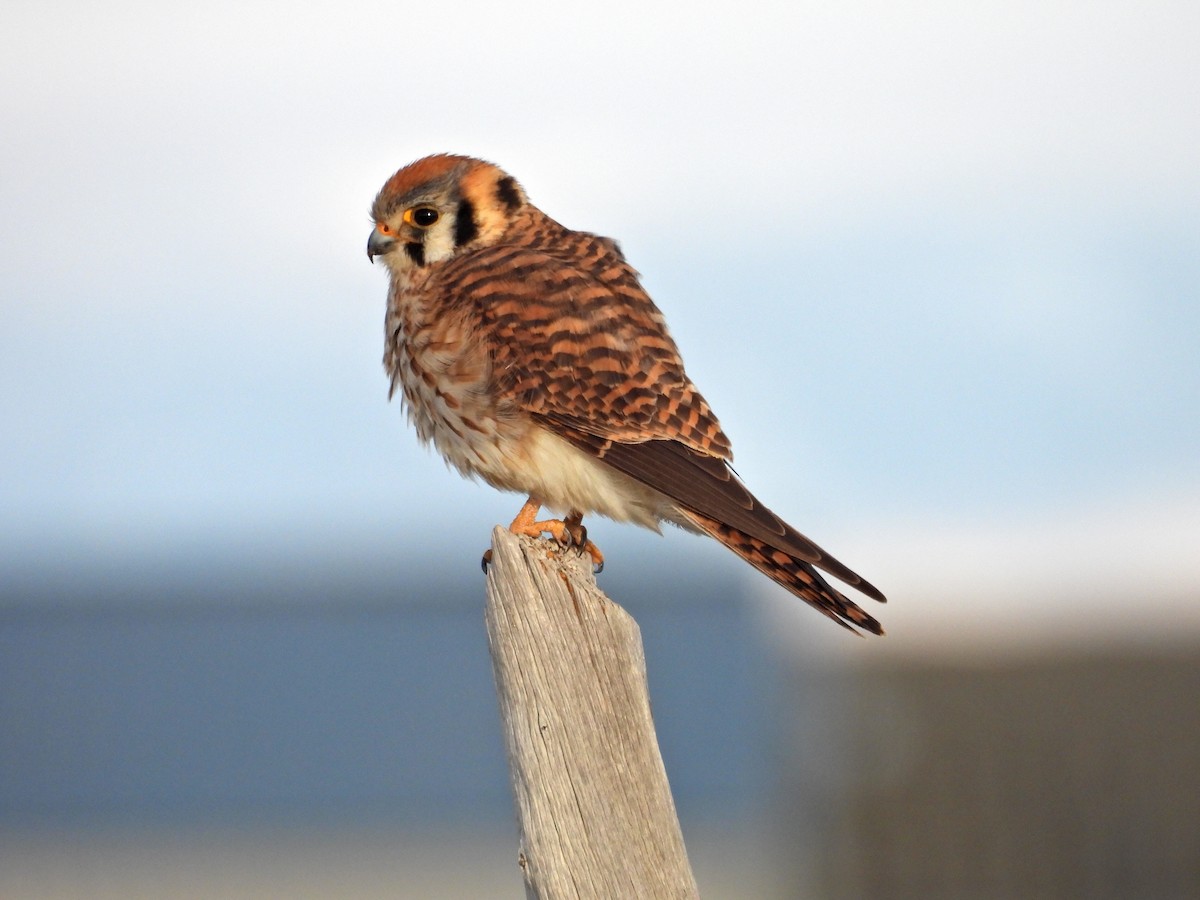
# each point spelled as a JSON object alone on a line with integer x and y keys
{"x": 937, "y": 268}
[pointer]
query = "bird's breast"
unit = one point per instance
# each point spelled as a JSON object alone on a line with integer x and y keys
{"x": 443, "y": 372}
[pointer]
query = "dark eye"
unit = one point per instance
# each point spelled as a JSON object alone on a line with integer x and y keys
{"x": 422, "y": 216}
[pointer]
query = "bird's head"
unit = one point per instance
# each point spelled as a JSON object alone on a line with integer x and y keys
{"x": 440, "y": 206}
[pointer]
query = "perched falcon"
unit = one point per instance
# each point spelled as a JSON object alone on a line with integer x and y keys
{"x": 532, "y": 358}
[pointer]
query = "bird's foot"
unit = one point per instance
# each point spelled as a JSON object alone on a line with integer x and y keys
{"x": 568, "y": 532}
{"x": 573, "y": 525}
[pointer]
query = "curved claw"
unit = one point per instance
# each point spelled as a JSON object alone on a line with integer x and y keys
{"x": 586, "y": 546}
{"x": 487, "y": 558}
{"x": 568, "y": 532}
{"x": 579, "y": 534}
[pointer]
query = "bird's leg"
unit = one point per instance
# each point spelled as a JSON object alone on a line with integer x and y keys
{"x": 527, "y": 523}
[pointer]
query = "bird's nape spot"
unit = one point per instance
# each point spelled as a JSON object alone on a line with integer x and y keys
{"x": 466, "y": 229}
{"x": 507, "y": 193}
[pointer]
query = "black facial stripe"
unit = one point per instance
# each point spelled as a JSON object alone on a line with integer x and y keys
{"x": 506, "y": 191}
{"x": 465, "y": 227}
{"x": 416, "y": 252}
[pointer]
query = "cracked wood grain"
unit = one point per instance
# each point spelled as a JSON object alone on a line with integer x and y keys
{"x": 594, "y": 808}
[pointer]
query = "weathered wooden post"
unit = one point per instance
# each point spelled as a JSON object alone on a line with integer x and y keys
{"x": 594, "y": 808}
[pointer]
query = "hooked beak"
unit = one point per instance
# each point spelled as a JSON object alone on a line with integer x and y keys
{"x": 378, "y": 244}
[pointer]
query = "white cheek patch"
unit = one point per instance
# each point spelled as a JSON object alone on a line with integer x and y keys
{"x": 439, "y": 240}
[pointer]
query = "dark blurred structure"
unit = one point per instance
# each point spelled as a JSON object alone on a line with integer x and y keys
{"x": 303, "y": 724}
{"x": 322, "y": 697}
{"x": 1072, "y": 774}
{"x": 194, "y": 728}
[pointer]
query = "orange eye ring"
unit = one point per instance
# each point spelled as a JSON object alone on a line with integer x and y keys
{"x": 421, "y": 216}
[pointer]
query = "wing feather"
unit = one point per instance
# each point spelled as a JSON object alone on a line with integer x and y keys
{"x": 576, "y": 342}
{"x": 707, "y": 486}
{"x": 573, "y": 334}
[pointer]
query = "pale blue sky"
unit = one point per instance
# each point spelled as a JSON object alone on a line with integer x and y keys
{"x": 936, "y": 268}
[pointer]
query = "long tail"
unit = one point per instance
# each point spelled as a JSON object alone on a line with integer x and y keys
{"x": 793, "y": 573}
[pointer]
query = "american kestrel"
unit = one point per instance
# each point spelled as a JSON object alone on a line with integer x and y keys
{"x": 532, "y": 358}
